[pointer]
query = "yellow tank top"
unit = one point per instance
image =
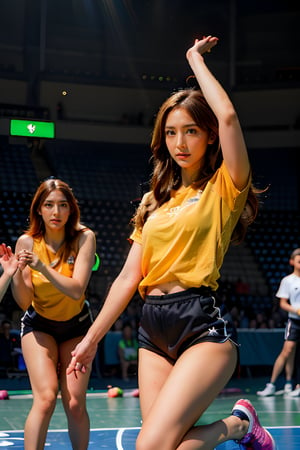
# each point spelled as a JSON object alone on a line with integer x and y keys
{"x": 186, "y": 238}
{"x": 48, "y": 301}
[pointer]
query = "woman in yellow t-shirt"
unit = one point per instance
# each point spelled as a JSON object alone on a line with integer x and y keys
{"x": 59, "y": 252}
{"x": 201, "y": 199}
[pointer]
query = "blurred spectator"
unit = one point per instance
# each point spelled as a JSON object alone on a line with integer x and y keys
{"x": 242, "y": 287}
{"x": 244, "y": 319}
{"x": 279, "y": 316}
{"x": 261, "y": 320}
{"x": 235, "y": 316}
{"x": 118, "y": 325}
{"x": 252, "y": 323}
{"x": 132, "y": 313}
{"x": 128, "y": 351}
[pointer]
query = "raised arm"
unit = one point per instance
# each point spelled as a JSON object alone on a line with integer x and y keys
{"x": 230, "y": 134}
{"x": 120, "y": 294}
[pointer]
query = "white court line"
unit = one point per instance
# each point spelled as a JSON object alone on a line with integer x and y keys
{"x": 119, "y": 438}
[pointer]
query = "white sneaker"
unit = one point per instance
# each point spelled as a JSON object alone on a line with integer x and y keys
{"x": 294, "y": 393}
{"x": 288, "y": 387}
{"x": 268, "y": 390}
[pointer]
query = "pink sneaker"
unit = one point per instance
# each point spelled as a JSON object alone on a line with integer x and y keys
{"x": 257, "y": 438}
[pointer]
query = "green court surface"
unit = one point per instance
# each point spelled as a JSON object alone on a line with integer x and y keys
{"x": 115, "y": 421}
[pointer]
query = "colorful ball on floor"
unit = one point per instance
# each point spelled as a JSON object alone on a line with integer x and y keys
{"x": 115, "y": 392}
{"x": 135, "y": 393}
{"x": 4, "y": 395}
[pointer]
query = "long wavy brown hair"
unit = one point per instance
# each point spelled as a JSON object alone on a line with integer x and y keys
{"x": 167, "y": 174}
{"x": 36, "y": 223}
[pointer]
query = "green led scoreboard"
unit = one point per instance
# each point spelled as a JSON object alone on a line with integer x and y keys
{"x": 32, "y": 128}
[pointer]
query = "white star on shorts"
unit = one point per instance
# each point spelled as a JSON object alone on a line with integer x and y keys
{"x": 212, "y": 332}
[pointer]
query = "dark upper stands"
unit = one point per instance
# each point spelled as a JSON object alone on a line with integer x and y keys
{"x": 106, "y": 178}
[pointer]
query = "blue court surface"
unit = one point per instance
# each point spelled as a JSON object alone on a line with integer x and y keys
{"x": 287, "y": 438}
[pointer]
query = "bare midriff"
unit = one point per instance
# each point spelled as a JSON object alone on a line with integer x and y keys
{"x": 166, "y": 288}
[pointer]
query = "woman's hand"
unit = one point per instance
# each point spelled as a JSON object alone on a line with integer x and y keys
{"x": 29, "y": 258}
{"x": 8, "y": 260}
{"x": 202, "y": 46}
{"x": 82, "y": 356}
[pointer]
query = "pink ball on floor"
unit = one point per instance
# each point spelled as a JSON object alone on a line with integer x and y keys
{"x": 135, "y": 393}
{"x": 4, "y": 395}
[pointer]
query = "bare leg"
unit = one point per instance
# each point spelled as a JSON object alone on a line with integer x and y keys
{"x": 40, "y": 354}
{"x": 297, "y": 366}
{"x": 73, "y": 390}
{"x": 285, "y": 359}
{"x": 206, "y": 437}
{"x": 174, "y": 397}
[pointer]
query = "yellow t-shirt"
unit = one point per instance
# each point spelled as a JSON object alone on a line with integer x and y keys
{"x": 187, "y": 237}
{"x": 48, "y": 301}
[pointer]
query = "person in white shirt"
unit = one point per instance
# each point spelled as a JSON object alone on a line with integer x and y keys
{"x": 289, "y": 294}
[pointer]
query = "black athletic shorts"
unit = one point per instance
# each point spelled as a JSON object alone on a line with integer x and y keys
{"x": 61, "y": 330}
{"x": 172, "y": 323}
{"x": 292, "y": 330}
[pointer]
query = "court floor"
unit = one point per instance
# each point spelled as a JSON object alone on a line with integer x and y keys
{"x": 115, "y": 422}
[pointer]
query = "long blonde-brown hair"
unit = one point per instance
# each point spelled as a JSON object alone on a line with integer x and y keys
{"x": 167, "y": 174}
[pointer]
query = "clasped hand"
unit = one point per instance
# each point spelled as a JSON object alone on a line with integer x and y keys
{"x": 26, "y": 257}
